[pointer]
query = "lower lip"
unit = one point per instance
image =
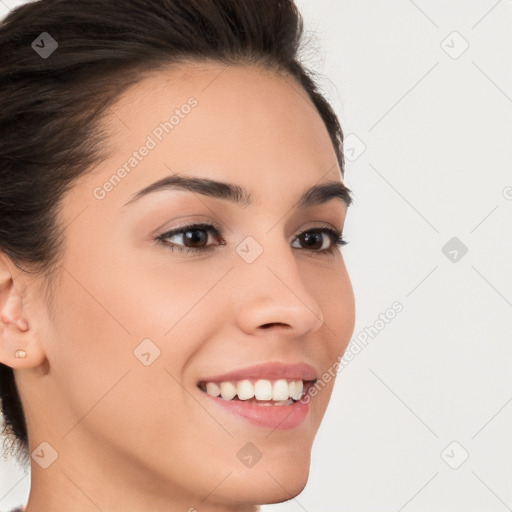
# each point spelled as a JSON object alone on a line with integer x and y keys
{"x": 275, "y": 417}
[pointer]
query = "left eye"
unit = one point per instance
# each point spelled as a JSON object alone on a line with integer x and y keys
{"x": 319, "y": 239}
{"x": 195, "y": 238}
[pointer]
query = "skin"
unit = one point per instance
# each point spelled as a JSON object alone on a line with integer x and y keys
{"x": 129, "y": 435}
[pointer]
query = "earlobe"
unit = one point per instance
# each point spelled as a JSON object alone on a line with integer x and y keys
{"x": 18, "y": 346}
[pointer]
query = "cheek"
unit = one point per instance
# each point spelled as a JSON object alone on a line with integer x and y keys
{"x": 340, "y": 314}
{"x": 333, "y": 291}
{"x": 105, "y": 389}
{"x": 118, "y": 315}
{"x": 136, "y": 295}
{"x": 92, "y": 342}
{"x": 331, "y": 287}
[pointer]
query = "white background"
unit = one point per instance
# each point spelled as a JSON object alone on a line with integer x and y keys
{"x": 437, "y": 133}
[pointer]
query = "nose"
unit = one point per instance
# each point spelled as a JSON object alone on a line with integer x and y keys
{"x": 272, "y": 295}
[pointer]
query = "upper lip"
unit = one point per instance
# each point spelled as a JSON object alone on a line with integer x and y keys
{"x": 270, "y": 371}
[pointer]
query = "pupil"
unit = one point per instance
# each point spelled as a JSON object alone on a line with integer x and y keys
{"x": 195, "y": 238}
{"x": 312, "y": 240}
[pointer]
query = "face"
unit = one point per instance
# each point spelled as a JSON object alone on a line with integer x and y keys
{"x": 192, "y": 288}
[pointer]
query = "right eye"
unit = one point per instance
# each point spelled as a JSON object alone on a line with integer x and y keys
{"x": 191, "y": 238}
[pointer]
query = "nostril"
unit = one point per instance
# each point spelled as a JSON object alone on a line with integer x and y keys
{"x": 266, "y": 326}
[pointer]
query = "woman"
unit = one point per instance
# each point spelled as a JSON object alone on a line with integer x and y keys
{"x": 173, "y": 296}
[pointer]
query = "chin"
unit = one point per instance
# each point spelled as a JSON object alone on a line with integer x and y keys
{"x": 264, "y": 492}
{"x": 289, "y": 488}
{"x": 272, "y": 482}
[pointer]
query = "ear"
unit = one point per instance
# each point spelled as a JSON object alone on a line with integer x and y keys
{"x": 18, "y": 324}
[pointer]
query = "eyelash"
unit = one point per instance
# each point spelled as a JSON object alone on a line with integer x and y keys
{"x": 335, "y": 236}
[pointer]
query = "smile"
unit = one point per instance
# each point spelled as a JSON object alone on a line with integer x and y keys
{"x": 266, "y": 395}
{"x": 263, "y": 391}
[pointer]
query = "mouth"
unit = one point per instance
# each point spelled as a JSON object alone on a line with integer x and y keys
{"x": 266, "y": 395}
{"x": 262, "y": 391}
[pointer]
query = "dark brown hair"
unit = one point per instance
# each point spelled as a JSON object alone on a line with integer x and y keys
{"x": 51, "y": 105}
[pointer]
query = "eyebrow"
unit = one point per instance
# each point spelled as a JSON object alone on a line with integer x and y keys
{"x": 318, "y": 194}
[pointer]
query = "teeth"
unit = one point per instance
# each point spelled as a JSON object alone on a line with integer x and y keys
{"x": 299, "y": 386}
{"x": 212, "y": 389}
{"x": 279, "y": 391}
{"x": 285, "y": 402}
{"x": 245, "y": 390}
{"x": 263, "y": 390}
{"x": 227, "y": 390}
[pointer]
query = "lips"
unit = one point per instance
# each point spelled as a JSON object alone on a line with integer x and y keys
{"x": 271, "y": 371}
{"x": 265, "y": 395}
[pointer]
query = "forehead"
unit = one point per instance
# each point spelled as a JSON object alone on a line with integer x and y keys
{"x": 242, "y": 124}
{"x": 234, "y": 105}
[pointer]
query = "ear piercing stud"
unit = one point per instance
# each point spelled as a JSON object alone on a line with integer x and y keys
{"x": 20, "y": 353}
